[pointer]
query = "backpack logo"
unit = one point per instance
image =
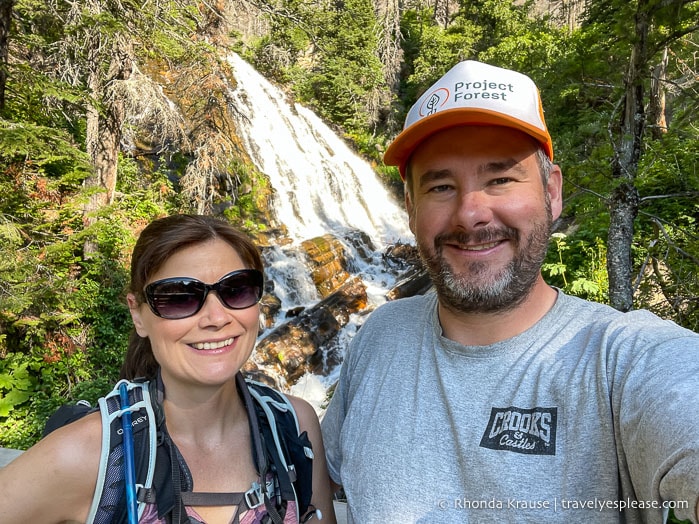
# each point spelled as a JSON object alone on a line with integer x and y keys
{"x": 529, "y": 431}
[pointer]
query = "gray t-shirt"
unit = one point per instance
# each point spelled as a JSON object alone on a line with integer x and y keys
{"x": 587, "y": 413}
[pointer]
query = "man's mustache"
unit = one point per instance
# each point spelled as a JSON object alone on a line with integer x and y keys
{"x": 482, "y": 236}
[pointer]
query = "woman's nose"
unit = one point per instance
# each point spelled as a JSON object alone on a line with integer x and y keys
{"x": 213, "y": 311}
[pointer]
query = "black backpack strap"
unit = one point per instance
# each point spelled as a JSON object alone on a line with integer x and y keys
{"x": 66, "y": 414}
{"x": 260, "y": 449}
{"x": 172, "y": 476}
{"x": 259, "y": 456}
{"x": 109, "y": 502}
{"x": 290, "y": 451}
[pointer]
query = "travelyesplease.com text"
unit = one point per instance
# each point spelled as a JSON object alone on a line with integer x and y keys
{"x": 557, "y": 504}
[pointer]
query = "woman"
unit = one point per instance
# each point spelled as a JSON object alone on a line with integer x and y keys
{"x": 195, "y": 286}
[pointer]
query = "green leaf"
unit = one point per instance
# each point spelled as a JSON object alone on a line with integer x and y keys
{"x": 6, "y": 381}
{"x": 5, "y": 407}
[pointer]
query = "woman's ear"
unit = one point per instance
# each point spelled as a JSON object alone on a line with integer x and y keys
{"x": 135, "y": 310}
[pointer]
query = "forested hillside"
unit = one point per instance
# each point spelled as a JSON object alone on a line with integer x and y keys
{"x": 115, "y": 112}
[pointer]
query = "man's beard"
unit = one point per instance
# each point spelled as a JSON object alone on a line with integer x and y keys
{"x": 479, "y": 288}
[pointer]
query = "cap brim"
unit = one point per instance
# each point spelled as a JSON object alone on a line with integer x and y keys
{"x": 399, "y": 151}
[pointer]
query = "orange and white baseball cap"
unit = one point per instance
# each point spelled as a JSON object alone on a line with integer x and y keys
{"x": 472, "y": 93}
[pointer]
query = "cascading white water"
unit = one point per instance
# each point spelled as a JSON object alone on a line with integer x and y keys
{"x": 321, "y": 187}
{"x": 321, "y": 184}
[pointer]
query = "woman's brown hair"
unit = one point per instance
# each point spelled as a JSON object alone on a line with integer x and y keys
{"x": 160, "y": 240}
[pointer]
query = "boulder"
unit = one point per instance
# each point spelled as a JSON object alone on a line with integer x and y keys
{"x": 328, "y": 264}
{"x": 296, "y": 346}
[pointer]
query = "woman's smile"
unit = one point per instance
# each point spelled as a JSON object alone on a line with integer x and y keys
{"x": 213, "y": 345}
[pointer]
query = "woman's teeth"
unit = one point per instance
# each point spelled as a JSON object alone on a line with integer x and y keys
{"x": 214, "y": 345}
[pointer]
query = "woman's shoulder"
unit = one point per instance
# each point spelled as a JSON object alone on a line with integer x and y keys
{"x": 77, "y": 442}
{"x": 305, "y": 413}
{"x": 54, "y": 480}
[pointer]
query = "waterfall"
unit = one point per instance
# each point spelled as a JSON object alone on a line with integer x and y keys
{"x": 321, "y": 186}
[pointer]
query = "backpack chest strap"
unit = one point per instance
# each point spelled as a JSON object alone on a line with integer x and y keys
{"x": 190, "y": 498}
{"x": 249, "y": 499}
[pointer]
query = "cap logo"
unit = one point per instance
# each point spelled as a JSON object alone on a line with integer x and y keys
{"x": 432, "y": 103}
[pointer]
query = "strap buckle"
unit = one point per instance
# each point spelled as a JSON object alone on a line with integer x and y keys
{"x": 254, "y": 496}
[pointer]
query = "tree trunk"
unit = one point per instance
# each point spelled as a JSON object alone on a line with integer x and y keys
{"x": 622, "y": 213}
{"x": 390, "y": 54}
{"x": 103, "y": 137}
{"x": 656, "y": 105}
{"x": 5, "y": 22}
{"x": 441, "y": 13}
{"x": 625, "y": 200}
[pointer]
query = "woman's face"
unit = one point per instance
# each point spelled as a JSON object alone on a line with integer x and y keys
{"x": 211, "y": 346}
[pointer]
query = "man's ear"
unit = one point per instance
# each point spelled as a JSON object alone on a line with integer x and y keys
{"x": 555, "y": 191}
{"x": 135, "y": 310}
{"x": 410, "y": 208}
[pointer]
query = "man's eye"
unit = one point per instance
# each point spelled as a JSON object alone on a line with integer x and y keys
{"x": 500, "y": 181}
{"x": 439, "y": 189}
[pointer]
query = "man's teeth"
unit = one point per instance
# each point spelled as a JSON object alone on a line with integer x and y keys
{"x": 480, "y": 247}
{"x": 213, "y": 345}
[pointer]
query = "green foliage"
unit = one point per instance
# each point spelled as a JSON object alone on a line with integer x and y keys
{"x": 252, "y": 198}
{"x": 63, "y": 320}
{"x": 16, "y": 384}
{"x": 31, "y": 387}
{"x": 290, "y": 34}
{"x": 671, "y": 519}
{"x": 345, "y": 72}
{"x": 348, "y": 70}
{"x": 584, "y": 276}
{"x": 430, "y": 50}
{"x": 668, "y": 246}
{"x": 52, "y": 151}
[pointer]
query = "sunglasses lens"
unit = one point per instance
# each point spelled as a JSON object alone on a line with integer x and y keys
{"x": 175, "y": 298}
{"x": 241, "y": 289}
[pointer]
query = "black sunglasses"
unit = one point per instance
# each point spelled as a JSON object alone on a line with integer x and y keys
{"x": 182, "y": 297}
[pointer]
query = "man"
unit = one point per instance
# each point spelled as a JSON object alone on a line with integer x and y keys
{"x": 499, "y": 398}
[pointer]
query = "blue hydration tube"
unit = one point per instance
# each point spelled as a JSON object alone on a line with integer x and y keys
{"x": 129, "y": 464}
